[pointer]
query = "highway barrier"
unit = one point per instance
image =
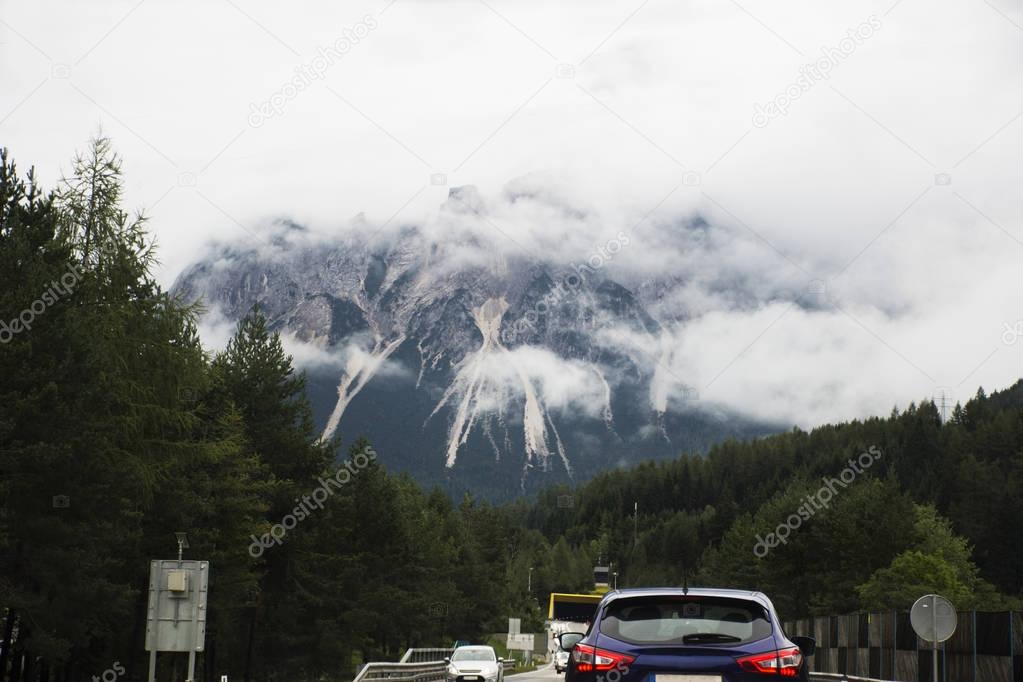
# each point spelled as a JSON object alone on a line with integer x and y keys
{"x": 425, "y": 655}
{"x": 417, "y": 665}
{"x": 987, "y": 647}
{"x": 403, "y": 672}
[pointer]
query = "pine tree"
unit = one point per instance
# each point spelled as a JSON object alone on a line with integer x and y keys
{"x": 106, "y": 447}
{"x": 256, "y": 375}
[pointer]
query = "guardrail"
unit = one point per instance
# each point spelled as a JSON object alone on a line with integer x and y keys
{"x": 417, "y": 665}
{"x": 425, "y": 655}
{"x": 825, "y": 677}
{"x": 432, "y": 671}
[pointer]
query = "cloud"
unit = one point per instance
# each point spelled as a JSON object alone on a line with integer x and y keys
{"x": 884, "y": 200}
{"x": 356, "y": 352}
{"x": 215, "y": 329}
{"x": 567, "y": 386}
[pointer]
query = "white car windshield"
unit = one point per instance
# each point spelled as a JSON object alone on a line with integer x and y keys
{"x": 474, "y": 654}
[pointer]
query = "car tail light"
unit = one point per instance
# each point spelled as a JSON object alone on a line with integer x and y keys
{"x": 589, "y": 659}
{"x": 783, "y": 663}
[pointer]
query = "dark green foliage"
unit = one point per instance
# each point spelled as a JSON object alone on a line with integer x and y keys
{"x": 103, "y": 454}
{"x": 961, "y": 480}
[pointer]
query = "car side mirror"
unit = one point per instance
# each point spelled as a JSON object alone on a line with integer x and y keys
{"x": 500, "y": 660}
{"x": 447, "y": 659}
{"x": 807, "y": 645}
{"x": 568, "y": 640}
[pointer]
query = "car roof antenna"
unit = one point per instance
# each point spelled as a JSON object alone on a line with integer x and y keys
{"x": 685, "y": 578}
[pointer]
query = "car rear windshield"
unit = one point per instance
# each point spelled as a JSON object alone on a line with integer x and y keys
{"x": 690, "y": 620}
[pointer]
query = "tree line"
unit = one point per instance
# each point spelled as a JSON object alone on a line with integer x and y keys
{"x": 859, "y": 516}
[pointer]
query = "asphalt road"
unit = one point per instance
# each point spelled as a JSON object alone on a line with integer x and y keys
{"x": 544, "y": 674}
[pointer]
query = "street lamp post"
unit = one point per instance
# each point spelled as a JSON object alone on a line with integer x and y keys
{"x": 529, "y": 582}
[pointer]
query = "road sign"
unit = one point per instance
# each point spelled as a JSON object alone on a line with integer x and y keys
{"x": 933, "y": 618}
{"x": 176, "y": 617}
{"x": 520, "y": 642}
{"x": 514, "y": 626}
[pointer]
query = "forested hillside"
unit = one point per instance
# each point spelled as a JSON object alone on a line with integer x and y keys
{"x": 940, "y": 506}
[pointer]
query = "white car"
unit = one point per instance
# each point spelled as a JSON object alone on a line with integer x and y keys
{"x": 475, "y": 664}
{"x": 566, "y": 641}
{"x": 561, "y": 661}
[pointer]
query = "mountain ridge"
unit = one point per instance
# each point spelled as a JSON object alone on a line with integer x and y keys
{"x": 504, "y": 367}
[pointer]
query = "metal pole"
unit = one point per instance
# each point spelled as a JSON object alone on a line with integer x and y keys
{"x": 973, "y": 617}
{"x": 152, "y": 620}
{"x": 635, "y": 524}
{"x": 934, "y": 630}
{"x": 195, "y": 625}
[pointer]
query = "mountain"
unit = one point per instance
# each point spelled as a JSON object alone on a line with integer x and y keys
{"x": 490, "y": 370}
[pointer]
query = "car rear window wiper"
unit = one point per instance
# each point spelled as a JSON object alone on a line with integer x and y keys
{"x": 702, "y": 637}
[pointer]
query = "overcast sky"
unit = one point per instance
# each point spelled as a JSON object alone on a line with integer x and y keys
{"x": 872, "y": 148}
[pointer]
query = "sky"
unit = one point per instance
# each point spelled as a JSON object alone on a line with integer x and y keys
{"x": 865, "y": 154}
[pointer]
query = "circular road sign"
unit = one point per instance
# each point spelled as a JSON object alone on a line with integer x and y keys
{"x": 933, "y": 618}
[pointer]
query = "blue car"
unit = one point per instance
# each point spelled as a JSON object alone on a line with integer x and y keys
{"x": 685, "y": 635}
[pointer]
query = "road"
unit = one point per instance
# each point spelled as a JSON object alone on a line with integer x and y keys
{"x": 544, "y": 674}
